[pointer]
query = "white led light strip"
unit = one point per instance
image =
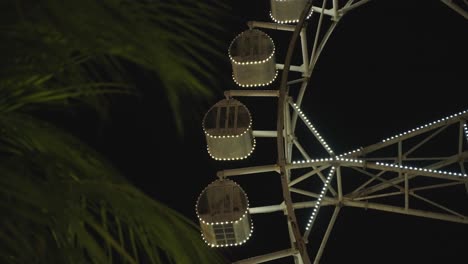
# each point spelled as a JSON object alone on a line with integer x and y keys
{"x": 332, "y": 171}
{"x": 313, "y": 130}
{"x": 232, "y": 244}
{"x": 288, "y": 21}
{"x": 416, "y": 169}
{"x": 227, "y": 222}
{"x": 256, "y": 84}
{"x": 330, "y": 174}
{"x": 328, "y": 159}
{"x": 349, "y": 153}
{"x": 426, "y": 125}
{"x": 251, "y": 62}
{"x": 229, "y": 136}
{"x": 319, "y": 199}
{"x": 390, "y": 165}
{"x": 235, "y": 158}
{"x": 465, "y": 127}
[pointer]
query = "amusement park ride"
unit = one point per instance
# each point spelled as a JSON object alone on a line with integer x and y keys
{"x": 395, "y": 175}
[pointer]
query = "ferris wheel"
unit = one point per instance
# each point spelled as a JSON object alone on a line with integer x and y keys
{"x": 392, "y": 168}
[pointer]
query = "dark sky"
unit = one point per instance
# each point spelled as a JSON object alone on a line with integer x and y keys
{"x": 388, "y": 67}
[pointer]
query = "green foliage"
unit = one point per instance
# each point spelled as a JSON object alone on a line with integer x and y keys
{"x": 60, "y": 196}
{"x": 59, "y": 43}
{"x": 60, "y": 201}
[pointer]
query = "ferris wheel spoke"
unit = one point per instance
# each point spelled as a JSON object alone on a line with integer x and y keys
{"x": 412, "y": 193}
{"x": 311, "y": 194}
{"x": 315, "y": 171}
{"x": 352, "y": 4}
{"x": 407, "y": 193}
{"x": 369, "y": 197}
{"x": 409, "y": 211}
{"x": 437, "y": 205}
{"x": 335, "y": 12}
{"x": 419, "y": 171}
{"x": 460, "y": 8}
{"x": 318, "y": 256}
{"x": 431, "y": 171}
{"x": 427, "y": 139}
{"x": 315, "y": 54}
{"x": 312, "y": 129}
{"x": 299, "y": 147}
{"x": 319, "y": 201}
{"x": 373, "y": 177}
{"x": 459, "y": 117}
{"x": 435, "y": 186}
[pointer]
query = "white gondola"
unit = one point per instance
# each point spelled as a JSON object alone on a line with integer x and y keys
{"x": 287, "y": 11}
{"x": 228, "y": 131}
{"x": 252, "y": 55}
{"x": 223, "y": 211}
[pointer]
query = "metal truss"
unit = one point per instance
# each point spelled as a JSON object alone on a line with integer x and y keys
{"x": 459, "y": 6}
{"x": 393, "y": 175}
{"x": 396, "y": 175}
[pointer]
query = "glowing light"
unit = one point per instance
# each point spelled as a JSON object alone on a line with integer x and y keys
{"x": 416, "y": 169}
{"x": 256, "y": 84}
{"x": 254, "y": 62}
{"x": 246, "y": 212}
{"x": 251, "y": 62}
{"x": 342, "y": 160}
{"x": 288, "y": 21}
{"x": 465, "y": 127}
{"x": 229, "y": 136}
{"x": 227, "y": 222}
{"x": 356, "y": 151}
{"x": 313, "y": 129}
{"x": 222, "y": 102}
{"x": 426, "y": 125}
{"x": 226, "y": 245}
{"x": 319, "y": 200}
{"x": 235, "y": 158}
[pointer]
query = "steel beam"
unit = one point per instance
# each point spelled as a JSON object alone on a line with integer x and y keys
{"x": 251, "y": 93}
{"x": 265, "y": 133}
{"x": 327, "y": 235}
{"x": 456, "y": 8}
{"x": 401, "y": 210}
{"x": 401, "y": 137}
{"x": 248, "y": 170}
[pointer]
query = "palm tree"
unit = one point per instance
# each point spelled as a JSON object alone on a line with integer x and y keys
{"x": 60, "y": 201}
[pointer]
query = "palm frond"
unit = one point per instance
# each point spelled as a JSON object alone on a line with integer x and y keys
{"x": 58, "y": 195}
{"x": 90, "y": 212}
{"x": 173, "y": 39}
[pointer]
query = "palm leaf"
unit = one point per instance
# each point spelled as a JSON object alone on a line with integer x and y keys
{"x": 80, "y": 187}
{"x": 86, "y": 41}
{"x": 56, "y": 194}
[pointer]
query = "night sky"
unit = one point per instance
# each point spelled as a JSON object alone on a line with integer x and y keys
{"x": 388, "y": 67}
